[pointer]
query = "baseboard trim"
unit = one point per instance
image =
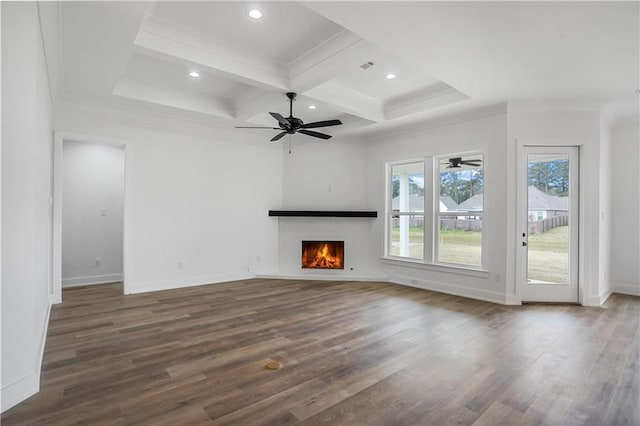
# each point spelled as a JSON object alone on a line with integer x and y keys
{"x": 604, "y": 296}
{"x": 592, "y": 301}
{"x": 631, "y": 290}
{"x": 478, "y": 294}
{"x": 43, "y": 341}
{"x": 91, "y": 280}
{"x": 29, "y": 385}
{"x": 316, "y": 277}
{"x": 512, "y": 299}
{"x": 149, "y": 286}
{"x": 20, "y": 390}
{"x": 484, "y": 295}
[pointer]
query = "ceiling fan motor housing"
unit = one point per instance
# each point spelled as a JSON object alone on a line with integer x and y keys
{"x": 291, "y": 125}
{"x": 296, "y": 123}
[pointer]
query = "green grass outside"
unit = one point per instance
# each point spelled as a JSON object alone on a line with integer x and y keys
{"x": 549, "y": 256}
{"x": 548, "y": 251}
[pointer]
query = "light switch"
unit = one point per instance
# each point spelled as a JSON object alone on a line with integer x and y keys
{"x": 103, "y": 212}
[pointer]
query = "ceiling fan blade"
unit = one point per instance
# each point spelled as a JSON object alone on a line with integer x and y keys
{"x": 272, "y": 128}
{"x": 314, "y": 134}
{"x": 278, "y": 136}
{"x": 283, "y": 121}
{"x": 321, "y": 124}
{"x": 473, "y": 163}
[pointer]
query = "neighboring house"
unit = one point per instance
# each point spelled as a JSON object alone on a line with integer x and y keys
{"x": 541, "y": 205}
{"x": 416, "y": 203}
{"x": 473, "y": 204}
{"x": 544, "y": 206}
{"x": 447, "y": 204}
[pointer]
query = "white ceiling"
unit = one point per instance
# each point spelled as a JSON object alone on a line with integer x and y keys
{"x": 448, "y": 57}
{"x": 147, "y": 70}
{"x": 373, "y": 81}
{"x": 286, "y": 31}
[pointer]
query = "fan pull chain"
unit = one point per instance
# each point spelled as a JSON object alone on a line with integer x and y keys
{"x": 289, "y": 144}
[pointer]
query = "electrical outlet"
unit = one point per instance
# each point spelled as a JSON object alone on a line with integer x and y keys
{"x": 497, "y": 277}
{"x": 97, "y": 263}
{"x": 180, "y": 265}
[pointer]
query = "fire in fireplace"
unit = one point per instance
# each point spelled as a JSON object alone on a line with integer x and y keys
{"x": 323, "y": 254}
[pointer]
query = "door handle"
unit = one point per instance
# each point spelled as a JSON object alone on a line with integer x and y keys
{"x": 524, "y": 244}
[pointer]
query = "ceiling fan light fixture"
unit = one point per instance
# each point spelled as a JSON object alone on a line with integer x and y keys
{"x": 255, "y": 14}
{"x": 390, "y": 76}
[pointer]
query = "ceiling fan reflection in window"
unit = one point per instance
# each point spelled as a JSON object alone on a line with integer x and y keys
{"x": 291, "y": 125}
{"x": 458, "y": 162}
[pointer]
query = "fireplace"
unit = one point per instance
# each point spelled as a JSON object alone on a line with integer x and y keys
{"x": 323, "y": 255}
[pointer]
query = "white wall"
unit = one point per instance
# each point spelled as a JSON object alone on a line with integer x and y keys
{"x": 326, "y": 175}
{"x": 625, "y": 205}
{"x": 26, "y": 212}
{"x": 197, "y": 196}
{"x": 486, "y": 133}
{"x": 93, "y": 190}
{"x": 574, "y": 126}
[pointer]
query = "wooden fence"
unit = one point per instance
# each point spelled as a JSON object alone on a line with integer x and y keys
{"x": 469, "y": 221}
{"x": 466, "y": 224}
{"x": 540, "y": 226}
{"x": 473, "y": 222}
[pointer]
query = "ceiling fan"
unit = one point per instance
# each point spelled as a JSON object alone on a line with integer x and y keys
{"x": 291, "y": 124}
{"x": 454, "y": 163}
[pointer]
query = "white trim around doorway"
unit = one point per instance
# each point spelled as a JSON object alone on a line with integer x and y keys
{"x": 583, "y": 146}
{"x": 58, "y": 142}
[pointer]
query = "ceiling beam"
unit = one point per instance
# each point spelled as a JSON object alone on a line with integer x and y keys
{"x": 343, "y": 53}
{"x": 256, "y": 102}
{"x": 173, "y": 98}
{"x": 349, "y": 101}
{"x": 422, "y": 100}
{"x": 172, "y": 43}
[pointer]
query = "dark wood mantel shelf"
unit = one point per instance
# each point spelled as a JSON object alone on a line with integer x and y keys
{"x": 323, "y": 213}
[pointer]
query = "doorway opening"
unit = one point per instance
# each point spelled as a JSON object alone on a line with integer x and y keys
{"x": 89, "y": 214}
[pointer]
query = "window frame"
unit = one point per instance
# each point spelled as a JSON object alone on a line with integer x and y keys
{"x": 431, "y": 214}
{"x": 389, "y": 212}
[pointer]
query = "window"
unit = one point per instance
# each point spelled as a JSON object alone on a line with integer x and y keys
{"x": 436, "y": 220}
{"x": 406, "y": 221}
{"x": 460, "y": 210}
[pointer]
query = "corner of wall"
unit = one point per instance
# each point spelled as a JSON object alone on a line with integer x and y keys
{"x": 29, "y": 385}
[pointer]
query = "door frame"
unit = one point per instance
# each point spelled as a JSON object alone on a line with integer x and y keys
{"x": 521, "y": 265}
{"x": 58, "y": 168}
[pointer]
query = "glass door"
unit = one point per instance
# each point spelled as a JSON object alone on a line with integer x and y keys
{"x": 548, "y": 224}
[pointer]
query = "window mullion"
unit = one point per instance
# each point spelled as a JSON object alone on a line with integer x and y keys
{"x": 430, "y": 195}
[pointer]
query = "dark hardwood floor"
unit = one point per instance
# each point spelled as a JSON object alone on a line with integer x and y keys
{"x": 353, "y": 353}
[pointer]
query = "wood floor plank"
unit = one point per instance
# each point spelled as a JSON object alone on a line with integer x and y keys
{"x": 353, "y": 353}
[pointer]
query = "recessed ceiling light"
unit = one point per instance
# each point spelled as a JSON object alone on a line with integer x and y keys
{"x": 312, "y": 107}
{"x": 255, "y": 14}
{"x": 194, "y": 74}
{"x": 391, "y": 76}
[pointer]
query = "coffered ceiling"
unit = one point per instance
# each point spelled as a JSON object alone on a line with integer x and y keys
{"x": 445, "y": 56}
